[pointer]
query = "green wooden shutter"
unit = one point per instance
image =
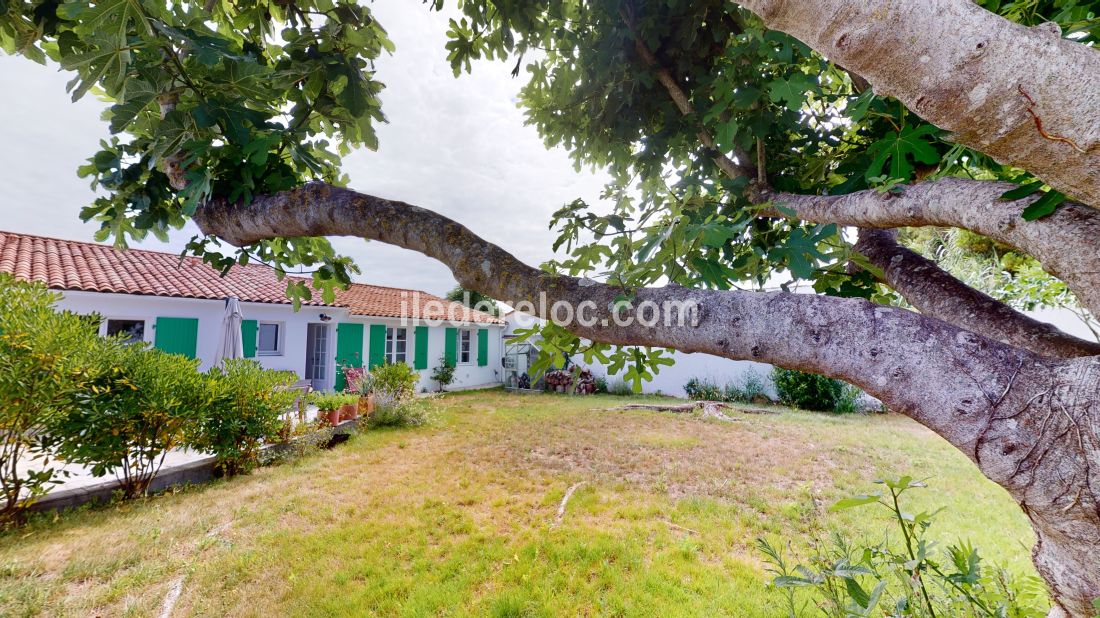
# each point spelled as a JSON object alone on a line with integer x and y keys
{"x": 420, "y": 360}
{"x": 450, "y": 345}
{"x": 377, "y": 345}
{"x": 349, "y": 349}
{"x": 482, "y": 347}
{"x": 249, "y": 329}
{"x": 178, "y": 336}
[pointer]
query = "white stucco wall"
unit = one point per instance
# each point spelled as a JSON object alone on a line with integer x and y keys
{"x": 293, "y": 355}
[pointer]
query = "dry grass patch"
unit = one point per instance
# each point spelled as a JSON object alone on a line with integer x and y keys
{"x": 458, "y": 518}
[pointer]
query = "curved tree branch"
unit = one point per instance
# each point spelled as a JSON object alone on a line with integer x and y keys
{"x": 1025, "y": 96}
{"x": 1066, "y": 243}
{"x": 937, "y": 294}
{"x": 869, "y": 345}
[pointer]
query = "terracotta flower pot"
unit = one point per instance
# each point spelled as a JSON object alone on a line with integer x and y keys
{"x": 366, "y": 404}
{"x": 349, "y": 411}
{"x": 333, "y": 417}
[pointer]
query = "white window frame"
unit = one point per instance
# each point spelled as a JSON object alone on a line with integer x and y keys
{"x": 465, "y": 346}
{"x": 280, "y": 338}
{"x": 146, "y": 329}
{"x": 391, "y": 345}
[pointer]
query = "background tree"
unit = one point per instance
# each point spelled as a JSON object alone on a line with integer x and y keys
{"x": 744, "y": 140}
{"x": 474, "y": 300}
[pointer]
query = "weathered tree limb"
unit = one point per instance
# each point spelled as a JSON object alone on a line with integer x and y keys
{"x": 1025, "y": 96}
{"x": 938, "y": 294}
{"x": 1066, "y": 243}
{"x": 1032, "y": 424}
{"x": 709, "y": 409}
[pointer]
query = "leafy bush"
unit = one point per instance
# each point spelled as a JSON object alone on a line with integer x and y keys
{"x": 398, "y": 380}
{"x": 444, "y": 372}
{"x": 807, "y": 391}
{"x": 46, "y": 359}
{"x": 246, "y": 411}
{"x": 911, "y": 578}
{"x": 704, "y": 389}
{"x": 601, "y": 384}
{"x": 619, "y": 387}
{"x": 131, "y": 416}
{"x": 391, "y": 411}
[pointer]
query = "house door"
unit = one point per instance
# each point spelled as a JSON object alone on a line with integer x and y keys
{"x": 317, "y": 355}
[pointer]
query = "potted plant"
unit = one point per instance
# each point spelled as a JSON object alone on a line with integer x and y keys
{"x": 364, "y": 385}
{"x": 328, "y": 406}
{"x": 349, "y": 410}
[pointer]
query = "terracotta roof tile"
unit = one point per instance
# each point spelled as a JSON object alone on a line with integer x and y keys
{"x": 72, "y": 265}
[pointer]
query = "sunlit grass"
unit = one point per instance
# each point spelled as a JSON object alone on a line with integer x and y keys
{"x": 458, "y": 518}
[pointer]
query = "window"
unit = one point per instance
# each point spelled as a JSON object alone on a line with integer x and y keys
{"x": 131, "y": 331}
{"x": 396, "y": 343}
{"x": 269, "y": 339}
{"x": 465, "y": 345}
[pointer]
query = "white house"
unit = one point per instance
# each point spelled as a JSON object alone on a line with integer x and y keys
{"x": 178, "y": 305}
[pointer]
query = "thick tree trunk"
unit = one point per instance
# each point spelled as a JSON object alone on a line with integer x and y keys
{"x": 1029, "y": 422}
{"x": 1025, "y": 96}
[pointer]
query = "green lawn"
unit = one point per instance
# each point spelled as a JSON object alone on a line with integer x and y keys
{"x": 458, "y": 518}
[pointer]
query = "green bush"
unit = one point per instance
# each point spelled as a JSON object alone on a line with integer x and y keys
{"x": 620, "y": 388}
{"x": 807, "y": 391}
{"x": 444, "y": 373}
{"x": 47, "y": 358}
{"x": 704, "y": 389}
{"x": 391, "y": 411}
{"x": 398, "y": 380}
{"x": 143, "y": 406}
{"x": 246, "y": 411}
{"x": 905, "y": 574}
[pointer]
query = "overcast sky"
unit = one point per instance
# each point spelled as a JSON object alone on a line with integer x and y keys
{"x": 457, "y": 146}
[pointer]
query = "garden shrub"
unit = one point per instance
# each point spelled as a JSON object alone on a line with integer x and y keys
{"x": 246, "y": 411}
{"x": 141, "y": 407}
{"x": 704, "y": 389}
{"x": 807, "y": 391}
{"x": 391, "y": 411}
{"x": 444, "y": 373}
{"x": 47, "y": 358}
{"x": 904, "y": 574}
{"x": 397, "y": 379}
{"x": 619, "y": 387}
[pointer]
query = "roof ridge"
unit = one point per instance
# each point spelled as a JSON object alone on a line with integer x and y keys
{"x": 139, "y": 264}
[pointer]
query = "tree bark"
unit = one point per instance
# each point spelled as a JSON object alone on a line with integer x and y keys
{"x": 936, "y": 293}
{"x": 1030, "y": 423}
{"x": 1066, "y": 243}
{"x": 1025, "y": 96}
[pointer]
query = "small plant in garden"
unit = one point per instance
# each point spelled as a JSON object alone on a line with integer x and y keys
{"x": 704, "y": 389}
{"x": 142, "y": 406}
{"x": 910, "y": 575}
{"x": 444, "y": 373}
{"x": 807, "y": 391}
{"x": 391, "y": 411}
{"x": 397, "y": 379}
{"x": 46, "y": 359}
{"x": 246, "y": 411}
{"x": 620, "y": 387}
